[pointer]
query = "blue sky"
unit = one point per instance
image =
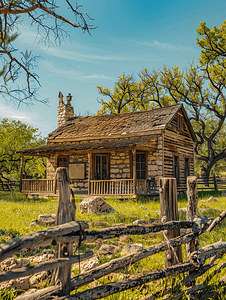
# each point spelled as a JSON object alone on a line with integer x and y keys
{"x": 131, "y": 35}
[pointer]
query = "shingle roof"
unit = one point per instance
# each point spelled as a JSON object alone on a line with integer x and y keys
{"x": 116, "y": 124}
{"x": 85, "y": 145}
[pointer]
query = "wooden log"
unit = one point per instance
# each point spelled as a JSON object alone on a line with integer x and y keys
{"x": 216, "y": 221}
{"x": 65, "y": 213}
{"x": 39, "y": 237}
{"x": 198, "y": 257}
{"x": 115, "y": 287}
{"x": 119, "y": 286}
{"x": 113, "y": 265}
{"x": 44, "y": 266}
{"x": 169, "y": 212}
{"x": 117, "y": 231}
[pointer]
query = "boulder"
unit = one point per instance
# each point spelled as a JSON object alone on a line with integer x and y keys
{"x": 95, "y": 205}
{"x": 129, "y": 249}
{"x": 108, "y": 249}
{"x": 140, "y": 222}
{"x": 47, "y": 219}
{"x": 88, "y": 264}
{"x": 124, "y": 238}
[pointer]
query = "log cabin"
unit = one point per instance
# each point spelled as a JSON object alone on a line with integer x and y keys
{"x": 118, "y": 154}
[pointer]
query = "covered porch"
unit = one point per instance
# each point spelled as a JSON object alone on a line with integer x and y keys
{"x": 120, "y": 168}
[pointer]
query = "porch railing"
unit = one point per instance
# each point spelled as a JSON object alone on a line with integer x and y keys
{"x": 111, "y": 187}
{"x": 141, "y": 187}
{"x": 37, "y": 186}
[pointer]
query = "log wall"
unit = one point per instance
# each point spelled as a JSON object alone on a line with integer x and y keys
{"x": 178, "y": 143}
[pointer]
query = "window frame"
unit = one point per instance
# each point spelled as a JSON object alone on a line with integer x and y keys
{"x": 140, "y": 170}
{"x": 101, "y": 155}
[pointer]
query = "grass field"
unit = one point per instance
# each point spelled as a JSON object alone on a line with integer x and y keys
{"x": 17, "y": 211}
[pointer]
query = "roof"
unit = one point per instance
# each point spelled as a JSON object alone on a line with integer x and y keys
{"x": 46, "y": 150}
{"x": 107, "y": 126}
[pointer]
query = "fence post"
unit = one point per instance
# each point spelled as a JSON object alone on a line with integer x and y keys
{"x": 192, "y": 209}
{"x": 215, "y": 182}
{"x": 65, "y": 213}
{"x": 169, "y": 212}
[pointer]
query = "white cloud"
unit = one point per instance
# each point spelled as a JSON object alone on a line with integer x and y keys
{"x": 10, "y": 112}
{"x": 166, "y": 46}
{"x": 71, "y": 73}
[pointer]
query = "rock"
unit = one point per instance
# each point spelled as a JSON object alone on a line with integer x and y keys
{"x": 223, "y": 194}
{"x": 108, "y": 249}
{"x": 33, "y": 224}
{"x": 22, "y": 283}
{"x": 213, "y": 199}
{"x": 94, "y": 205}
{"x": 143, "y": 207}
{"x": 124, "y": 238}
{"x": 129, "y": 249}
{"x": 35, "y": 280}
{"x": 154, "y": 221}
{"x": 140, "y": 222}
{"x": 47, "y": 219}
{"x": 100, "y": 224}
{"x": 22, "y": 262}
{"x": 8, "y": 264}
{"x": 183, "y": 209}
{"x": 88, "y": 264}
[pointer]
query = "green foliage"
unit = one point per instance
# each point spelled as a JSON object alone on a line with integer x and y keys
{"x": 15, "y": 135}
{"x": 200, "y": 88}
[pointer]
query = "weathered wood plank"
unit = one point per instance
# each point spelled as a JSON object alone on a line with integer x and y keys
{"x": 44, "y": 266}
{"x": 115, "y": 287}
{"x": 169, "y": 212}
{"x": 65, "y": 213}
{"x": 36, "y": 238}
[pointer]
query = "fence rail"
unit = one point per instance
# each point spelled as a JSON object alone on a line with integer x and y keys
{"x": 37, "y": 186}
{"x": 67, "y": 231}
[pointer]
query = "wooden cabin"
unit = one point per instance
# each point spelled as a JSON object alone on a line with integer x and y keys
{"x": 119, "y": 154}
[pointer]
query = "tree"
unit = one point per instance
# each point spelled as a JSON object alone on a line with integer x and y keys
{"x": 15, "y": 135}
{"x": 17, "y": 67}
{"x": 201, "y": 88}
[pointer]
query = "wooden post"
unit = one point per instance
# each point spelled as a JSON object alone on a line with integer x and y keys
{"x": 134, "y": 172}
{"x": 215, "y": 182}
{"x": 21, "y": 171}
{"x": 65, "y": 213}
{"x": 169, "y": 212}
{"x": 90, "y": 171}
{"x": 192, "y": 209}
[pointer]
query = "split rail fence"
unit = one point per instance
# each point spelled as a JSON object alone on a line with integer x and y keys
{"x": 67, "y": 232}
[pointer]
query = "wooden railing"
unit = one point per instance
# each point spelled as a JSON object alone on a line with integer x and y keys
{"x": 141, "y": 187}
{"x": 111, "y": 187}
{"x": 37, "y": 186}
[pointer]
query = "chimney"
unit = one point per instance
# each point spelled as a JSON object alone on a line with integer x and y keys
{"x": 64, "y": 111}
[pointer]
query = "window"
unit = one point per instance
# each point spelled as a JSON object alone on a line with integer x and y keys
{"x": 141, "y": 166}
{"x": 77, "y": 170}
{"x": 180, "y": 125}
{"x": 62, "y": 161}
{"x": 186, "y": 169}
{"x": 176, "y": 168}
{"x": 101, "y": 166}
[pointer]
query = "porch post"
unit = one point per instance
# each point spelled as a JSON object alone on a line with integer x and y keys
{"x": 21, "y": 171}
{"x": 90, "y": 171}
{"x": 134, "y": 172}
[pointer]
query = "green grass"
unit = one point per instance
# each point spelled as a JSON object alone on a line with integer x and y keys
{"x": 17, "y": 211}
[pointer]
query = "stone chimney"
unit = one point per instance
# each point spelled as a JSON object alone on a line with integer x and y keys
{"x": 64, "y": 111}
